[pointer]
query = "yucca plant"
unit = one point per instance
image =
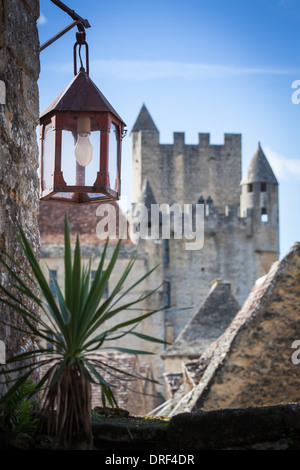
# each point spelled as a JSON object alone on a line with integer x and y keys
{"x": 72, "y": 323}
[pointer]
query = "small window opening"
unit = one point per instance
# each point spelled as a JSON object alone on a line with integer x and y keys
{"x": 167, "y": 251}
{"x": 263, "y": 187}
{"x": 250, "y": 188}
{"x": 264, "y": 215}
{"x": 167, "y": 301}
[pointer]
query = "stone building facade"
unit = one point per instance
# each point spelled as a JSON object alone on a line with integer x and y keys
{"x": 19, "y": 112}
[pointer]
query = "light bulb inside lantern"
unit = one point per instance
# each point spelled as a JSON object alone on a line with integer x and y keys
{"x": 83, "y": 149}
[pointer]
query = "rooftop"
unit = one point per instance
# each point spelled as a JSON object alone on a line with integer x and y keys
{"x": 259, "y": 169}
{"x": 144, "y": 121}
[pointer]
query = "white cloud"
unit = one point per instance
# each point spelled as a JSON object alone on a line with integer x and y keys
{"x": 284, "y": 168}
{"x": 151, "y": 70}
{"x": 147, "y": 70}
{"x": 42, "y": 19}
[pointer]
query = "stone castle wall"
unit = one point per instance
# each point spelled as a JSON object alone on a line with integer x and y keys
{"x": 238, "y": 246}
{"x": 183, "y": 173}
{"x": 228, "y": 253}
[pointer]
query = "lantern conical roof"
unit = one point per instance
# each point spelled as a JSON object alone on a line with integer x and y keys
{"x": 81, "y": 94}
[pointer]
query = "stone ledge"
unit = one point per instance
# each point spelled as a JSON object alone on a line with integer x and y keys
{"x": 234, "y": 427}
{"x": 269, "y": 427}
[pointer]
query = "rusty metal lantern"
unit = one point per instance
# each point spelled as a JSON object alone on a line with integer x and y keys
{"x": 80, "y": 142}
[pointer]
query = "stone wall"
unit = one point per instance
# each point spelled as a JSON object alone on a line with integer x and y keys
{"x": 261, "y": 428}
{"x": 19, "y": 113}
{"x": 181, "y": 173}
{"x": 229, "y": 252}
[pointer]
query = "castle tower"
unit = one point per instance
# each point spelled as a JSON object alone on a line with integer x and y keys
{"x": 259, "y": 202}
{"x": 183, "y": 173}
{"x": 239, "y": 246}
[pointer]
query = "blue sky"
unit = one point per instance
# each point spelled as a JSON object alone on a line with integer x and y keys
{"x": 199, "y": 66}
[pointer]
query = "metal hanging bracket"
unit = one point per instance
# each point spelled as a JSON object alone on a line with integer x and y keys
{"x": 80, "y": 41}
{"x": 78, "y": 21}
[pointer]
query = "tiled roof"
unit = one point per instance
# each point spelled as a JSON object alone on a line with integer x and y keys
{"x": 214, "y": 315}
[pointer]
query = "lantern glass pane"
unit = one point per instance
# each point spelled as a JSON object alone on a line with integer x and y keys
{"x": 113, "y": 156}
{"x": 68, "y": 162}
{"x": 48, "y": 157}
{"x": 96, "y": 195}
{"x": 74, "y": 173}
{"x": 67, "y": 196}
{"x": 94, "y": 166}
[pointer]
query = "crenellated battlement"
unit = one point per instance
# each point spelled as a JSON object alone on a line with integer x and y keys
{"x": 177, "y": 170}
{"x": 229, "y": 140}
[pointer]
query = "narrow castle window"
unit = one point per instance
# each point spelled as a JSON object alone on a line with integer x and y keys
{"x": 167, "y": 301}
{"x": 167, "y": 251}
{"x": 250, "y": 188}
{"x": 264, "y": 215}
{"x": 263, "y": 187}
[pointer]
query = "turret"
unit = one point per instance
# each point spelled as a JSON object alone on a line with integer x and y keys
{"x": 259, "y": 201}
{"x": 144, "y": 137}
{"x": 144, "y": 122}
